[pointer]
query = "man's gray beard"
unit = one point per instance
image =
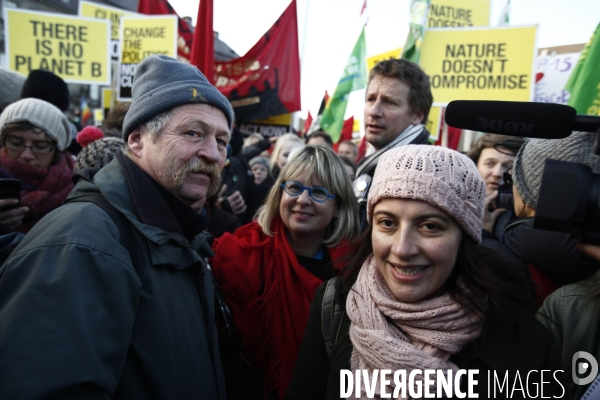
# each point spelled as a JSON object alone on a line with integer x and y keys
{"x": 195, "y": 166}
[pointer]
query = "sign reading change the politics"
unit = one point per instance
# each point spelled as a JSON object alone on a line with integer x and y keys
{"x": 140, "y": 38}
{"x": 112, "y": 14}
{"x": 480, "y": 63}
{"x": 76, "y": 49}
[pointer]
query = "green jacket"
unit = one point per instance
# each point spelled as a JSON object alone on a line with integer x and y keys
{"x": 574, "y": 321}
{"x": 77, "y": 320}
{"x": 317, "y": 376}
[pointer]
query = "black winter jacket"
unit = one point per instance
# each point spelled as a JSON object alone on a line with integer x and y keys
{"x": 79, "y": 321}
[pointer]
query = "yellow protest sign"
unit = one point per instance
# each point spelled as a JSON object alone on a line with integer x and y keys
{"x": 108, "y": 99}
{"x": 372, "y": 61}
{"x": 480, "y": 63}
{"x": 112, "y": 14}
{"x": 140, "y": 38}
{"x": 433, "y": 123}
{"x": 282, "y": 119}
{"x": 98, "y": 114}
{"x": 458, "y": 13}
{"x": 76, "y": 49}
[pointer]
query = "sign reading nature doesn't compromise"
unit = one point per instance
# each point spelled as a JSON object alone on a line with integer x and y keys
{"x": 480, "y": 63}
{"x": 458, "y": 13}
{"x": 112, "y": 14}
{"x": 74, "y": 48}
{"x": 140, "y": 38}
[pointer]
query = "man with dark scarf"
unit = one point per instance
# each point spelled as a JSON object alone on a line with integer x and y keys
{"x": 397, "y": 102}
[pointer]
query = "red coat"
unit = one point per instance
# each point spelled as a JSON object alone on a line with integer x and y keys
{"x": 269, "y": 293}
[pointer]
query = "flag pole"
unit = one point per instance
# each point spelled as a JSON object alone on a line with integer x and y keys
{"x": 295, "y": 120}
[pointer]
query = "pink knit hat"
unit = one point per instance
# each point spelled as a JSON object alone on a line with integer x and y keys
{"x": 438, "y": 176}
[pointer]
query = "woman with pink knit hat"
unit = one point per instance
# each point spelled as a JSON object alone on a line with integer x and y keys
{"x": 422, "y": 295}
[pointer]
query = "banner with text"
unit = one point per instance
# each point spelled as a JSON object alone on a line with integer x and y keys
{"x": 74, "y": 48}
{"x": 266, "y": 80}
{"x": 373, "y": 60}
{"x": 480, "y": 63}
{"x": 273, "y": 126}
{"x": 458, "y": 13}
{"x": 112, "y": 14}
{"x": 554, "y": 66}
{"x": 140, "y": 38}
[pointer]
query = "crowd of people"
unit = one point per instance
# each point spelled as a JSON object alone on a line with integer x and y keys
{"x": 163, "y": 255}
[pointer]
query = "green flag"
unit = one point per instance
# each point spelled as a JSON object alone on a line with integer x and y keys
{"x": 418, "y": 17}
{"x": 354, "y": 78}
{"x": 584, "y": 82}
{"x": 505, "y": 16}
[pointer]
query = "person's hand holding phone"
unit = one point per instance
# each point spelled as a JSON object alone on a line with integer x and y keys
{"x": 490, "y": 212}
{"x": 12, "y": 217}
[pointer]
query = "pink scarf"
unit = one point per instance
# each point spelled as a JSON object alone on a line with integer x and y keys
{"x": 423, "y": 335}
{"x": 52, "y": 185}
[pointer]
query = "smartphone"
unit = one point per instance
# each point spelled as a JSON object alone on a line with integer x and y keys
{"x": 505, "y": 197}
{"x": 10, "y": 189}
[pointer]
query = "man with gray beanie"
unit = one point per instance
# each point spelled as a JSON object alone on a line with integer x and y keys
{"x": 554, "y": 254}
{"x": 109, "y": 296}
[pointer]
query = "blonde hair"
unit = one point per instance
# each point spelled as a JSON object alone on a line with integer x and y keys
{"x": 281, "y": 141}
{"x": 324, "y": 164}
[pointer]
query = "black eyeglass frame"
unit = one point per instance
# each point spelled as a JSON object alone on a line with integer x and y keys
{"x": 6, "y": 139}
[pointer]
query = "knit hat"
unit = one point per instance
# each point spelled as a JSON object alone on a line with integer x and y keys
{"x": 528, "y": 166}
{"x": 439, "y": 176}
{"x": 41, "y": 114}
{"x": 10, "y": 87}
{"x": 161, "y": 83}
{"x": 260, "y": 160}
{"x": 45, "y": 85}
{"x": 99, "y": 153}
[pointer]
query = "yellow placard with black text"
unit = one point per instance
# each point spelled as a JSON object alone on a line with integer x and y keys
{"x": 458, "y": 13}
{"x": 434, "y": 119}
{"x": 372, "y": 61}
{"x": 480, "y": 63}
{"x": 112, "y": 14}
{"x": 142, "y": 37}
{"x": 74, "y": 48}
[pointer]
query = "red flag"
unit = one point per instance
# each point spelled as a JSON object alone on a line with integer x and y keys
{"x": 161, "y": 7}
{"x": 364, "y": 7}
{"x": 362, "y": 149}
{"x": 266, "y": 80}
{"x": 347, "y": 129}
{"x": 203, "y": 46}
{"x": 307, "y": 123}
{"x": 346, "y": 134}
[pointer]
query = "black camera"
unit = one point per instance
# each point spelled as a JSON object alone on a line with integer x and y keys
{"x": 569, "y": 201}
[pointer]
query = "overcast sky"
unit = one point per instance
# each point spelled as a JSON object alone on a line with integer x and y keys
{"x": 328, "y": 30}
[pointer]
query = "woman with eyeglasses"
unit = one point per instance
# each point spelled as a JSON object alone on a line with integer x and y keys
{"x": 33, "y": 134}
{"x": 270, "y": 269}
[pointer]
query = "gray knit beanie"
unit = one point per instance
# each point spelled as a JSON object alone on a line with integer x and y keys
{"x": 161, "y": 83}
{"x": 260, "y": 160}
{"x": 528, "y": 166}
{"x": 41, "y": 114}
{"x": 11, "y": 84}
